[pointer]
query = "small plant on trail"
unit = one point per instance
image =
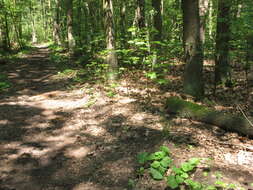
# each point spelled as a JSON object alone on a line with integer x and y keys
{"x": 4, "y": 83}
{"x": 160, "y": 166}
{"x": 111, "y": 90}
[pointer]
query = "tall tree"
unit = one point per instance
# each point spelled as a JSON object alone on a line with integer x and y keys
{"x": 193, "y": 79}
{"x": 4, "y": 27}
{"x": 56, "y": 25}
{"x": 222, "y": 67}
{"x": 203, "y": 10}
{"x": 139, "y": 19}
{"x": 157, "y": 20}
{"x": 111, "y": 59}
{"x": 71, "y": 40}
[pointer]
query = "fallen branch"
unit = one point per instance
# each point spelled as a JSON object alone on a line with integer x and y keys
{"x": 228, "y": 122}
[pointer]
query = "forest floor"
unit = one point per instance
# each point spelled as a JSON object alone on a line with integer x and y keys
{"x": 53, "y": 137}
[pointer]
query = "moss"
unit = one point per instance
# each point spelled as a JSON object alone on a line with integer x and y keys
{"x": 201, "y": 113}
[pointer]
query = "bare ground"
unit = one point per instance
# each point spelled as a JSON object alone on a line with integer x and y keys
{"x": 54, "y": 138}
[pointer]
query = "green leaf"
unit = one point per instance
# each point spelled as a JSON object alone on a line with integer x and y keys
{"x": 155, "y": 174}
{"x": 184, "y": 175}
{"x": 166, "y": 161}
{"x": 131, "y": 183}
{"x": 140, "y": 43}
{"x": 221, "y": 183}
{"x": 142, "y": 157}
{"x": 176, "y": 170}
{"x": 194, "y": 161}
{"x": 162, "y": 170}
{"x": 165, "y": 149}
{"x": 157, "y": 155}
{"x": 193, "y": 184}
{"x": 155, "y": 164}
{"x": 172, "y": 182}
{"x": 179, "y": 179}
{"x": 152, "y": 75}
{"x": 210, "y": 187}
{"x": 186, "y": 167}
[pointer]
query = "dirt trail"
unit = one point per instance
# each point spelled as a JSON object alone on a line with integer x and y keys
{"x": 50, "y": 139}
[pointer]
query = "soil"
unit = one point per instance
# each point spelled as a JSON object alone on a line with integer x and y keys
{"x": 56, "y": 138}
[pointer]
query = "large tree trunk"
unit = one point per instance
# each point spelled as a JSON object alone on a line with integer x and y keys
{"x": 193, "y": 80}
{"x": 204, "y": 114}
{"x": 111, "y": 59}
{"x": 71, "y": 40}
{"x": 222, "y": 67}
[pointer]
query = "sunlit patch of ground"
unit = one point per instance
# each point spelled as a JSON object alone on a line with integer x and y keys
{"x": 53, "y": 138}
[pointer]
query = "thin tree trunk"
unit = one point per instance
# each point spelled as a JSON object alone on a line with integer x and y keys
{"x": 193, "y": 79}
{"x": 122, "y": 23}
{"x": 139, "y": 20}
{"x": 111, "y": 59}
{"x": 71, "y": 40}
{"x": 56, "y": 30}
{"x": 203, "y": 10}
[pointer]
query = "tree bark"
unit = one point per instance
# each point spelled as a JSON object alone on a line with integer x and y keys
{"x": 222, "y": 66}
{"x": 157, "y": 20}
{"x": 111, "y": 58}
{"x": 71, "y": 40}
{"x": 228, "y": 122}
{"x": 203, "y": 10}
{"x": 139, "y": 20}
{"x": 193, "y": 79}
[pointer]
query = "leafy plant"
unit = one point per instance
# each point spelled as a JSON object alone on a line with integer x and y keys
{"x": 4, "y": 83}
{"x": 181, "y": 175}
{"x": 158, "y": 162}
{"x": 160, "y": 166}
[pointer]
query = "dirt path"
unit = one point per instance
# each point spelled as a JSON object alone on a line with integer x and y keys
{"x": 51, "y": 139}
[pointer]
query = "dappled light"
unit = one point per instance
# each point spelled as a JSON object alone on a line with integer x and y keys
{"x": 126, "y": 95}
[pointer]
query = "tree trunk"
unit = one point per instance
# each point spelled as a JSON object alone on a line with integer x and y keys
{"x": 34, "y": 36}
{"x": 157, "y": 20}
{"x": 222, "y": 67}
{"x": 4, "y": 28}
{"x": 71, "y": 40}
{"x": 122, "y": 23}
{"x": 111, "y": 59}
{"x": 203, "y": 10}
{"x": 139, "y": 20}
{"x": 56, "y": 29}
{"x": 193, "y": 79}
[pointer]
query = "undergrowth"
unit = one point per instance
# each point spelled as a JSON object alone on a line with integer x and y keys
{"x": 160, "y": 166}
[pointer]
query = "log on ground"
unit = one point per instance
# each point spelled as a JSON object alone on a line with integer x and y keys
{"x": 226, "y": 121}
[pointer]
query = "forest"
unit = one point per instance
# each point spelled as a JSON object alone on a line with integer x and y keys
{"x": 126, "y": 95}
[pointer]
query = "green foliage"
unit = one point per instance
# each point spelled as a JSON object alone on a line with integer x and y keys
{"x": 91, "y": 102}
{"x": 160, "y": 166}
{"x": 158, "y": 162}
{"x": 4, "y": 83}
